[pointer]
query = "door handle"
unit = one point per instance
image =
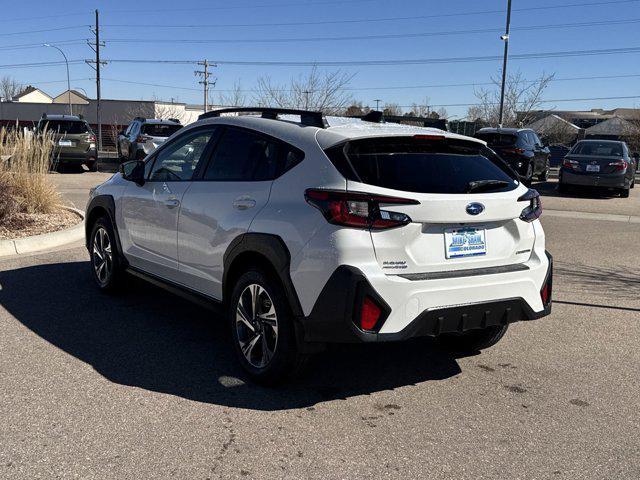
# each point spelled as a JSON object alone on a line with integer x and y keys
{"x": 172, "y": 202}
{"x": 244, "y": 203}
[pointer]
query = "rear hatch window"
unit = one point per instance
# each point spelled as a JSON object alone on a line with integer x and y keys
{"x": 415, "y": 164}
{"x": 598, "y": 149}
{"x": 67, "y": 127}
{"x": 495, "y": 139}
{"x": 160, "y": 129}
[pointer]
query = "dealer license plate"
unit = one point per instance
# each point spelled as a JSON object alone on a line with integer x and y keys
{"x": 593, "y": 168}
{"x": 465, "y": 242}
{"x": 65, "y": 143}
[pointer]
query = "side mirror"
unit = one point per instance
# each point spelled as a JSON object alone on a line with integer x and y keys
{"x": 133, "y": 171}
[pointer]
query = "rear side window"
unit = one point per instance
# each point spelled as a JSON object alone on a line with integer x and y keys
{"x": 424, "y": 166}
{"x": 242, "y": 155}
{"x": 494, "y": 139}
{"x": 160, "y": 129}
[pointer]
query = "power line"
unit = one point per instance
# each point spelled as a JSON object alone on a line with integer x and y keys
{"x": 58, "y": 15}
{"x": 39, "y": 64}
{"x": 557, "y": 100}
{"x": 369, "y": 37}
{"x": 396, "y": 87}
{"x": 25, "y": 32}
{"x": 373, "y": 20}
{"x": 413, "y": 61}
{"x": 244, "y": 7}
{"x": 23, "y": 46}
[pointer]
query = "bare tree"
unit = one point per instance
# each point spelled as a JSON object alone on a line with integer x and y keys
{"x": 631, "y": 133}
{"x": 315, "y": 91}
{"x": 357, "y": 109}
{"x": 392, "y": 109}
{"x": 422, "y": 109}
{"x": 234, "y": 98}
{"x": 521, "y": 98}
{"x": 442, "y": 113}
{"x": 9, "y": 87}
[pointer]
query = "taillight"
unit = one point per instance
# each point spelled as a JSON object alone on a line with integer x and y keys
{"x": 358, "y": 210}
{"x": 369, "y": 314}
{"x": 514, "y": 150}
{"x": 568, "y": 163}
{"x": 534, "y": 210}
{"x": 619, "y": 165}
{"x": 91, "y": 138}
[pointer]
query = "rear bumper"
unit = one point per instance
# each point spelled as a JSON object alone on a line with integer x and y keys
{"x": 332, "y": 317}
{"x": 593, "y": 180}
{"x": 76, "y": 157}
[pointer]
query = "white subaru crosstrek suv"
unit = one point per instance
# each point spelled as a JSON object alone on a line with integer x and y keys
{"x": 308, "y": 230}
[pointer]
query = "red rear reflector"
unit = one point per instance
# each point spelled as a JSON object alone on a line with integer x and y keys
{"x": 429, "y": 137}
{"x": 545, "y": 294}
{"x": 370, "y": 314}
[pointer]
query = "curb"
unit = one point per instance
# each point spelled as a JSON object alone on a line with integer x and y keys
{"x": 45, "y": 241}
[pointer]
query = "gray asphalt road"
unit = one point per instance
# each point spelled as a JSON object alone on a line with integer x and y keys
{"x": 144, "y": 385}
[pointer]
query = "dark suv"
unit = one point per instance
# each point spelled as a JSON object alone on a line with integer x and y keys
{"x": 74, "y": 141}
{"x": 521, "y": 149}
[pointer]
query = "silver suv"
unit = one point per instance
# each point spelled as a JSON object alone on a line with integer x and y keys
{"x": 143, "y": 136}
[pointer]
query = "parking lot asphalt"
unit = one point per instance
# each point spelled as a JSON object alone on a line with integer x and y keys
{"x": 144, "y": 385}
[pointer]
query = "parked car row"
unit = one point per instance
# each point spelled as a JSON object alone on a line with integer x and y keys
{"x": 595, "y": 163}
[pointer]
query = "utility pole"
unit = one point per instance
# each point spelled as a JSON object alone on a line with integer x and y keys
{"x": 306, "y": 99}
{"x": 205, "y": 73}
{"x": 505, "y": 39}
{"x": 377, "y": 100}
{"x": 95, "y": 64}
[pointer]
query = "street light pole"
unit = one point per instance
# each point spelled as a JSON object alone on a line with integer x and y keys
{"x": 66, "y": 60}
{"x": 377, "y": 100}
{"x": 504, "y": 38}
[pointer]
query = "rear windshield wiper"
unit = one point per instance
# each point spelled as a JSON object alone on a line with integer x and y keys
{"x": 480, "y": 185}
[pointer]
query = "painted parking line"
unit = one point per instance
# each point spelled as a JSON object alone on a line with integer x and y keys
{"x": 593, "y": 216}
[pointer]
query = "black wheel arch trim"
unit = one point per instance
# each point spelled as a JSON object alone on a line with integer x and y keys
{"x": 107, "y": 204}
{"x": 271, "y": 247}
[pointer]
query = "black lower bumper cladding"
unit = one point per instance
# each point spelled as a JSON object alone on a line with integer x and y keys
{"x": 332, "y": 317}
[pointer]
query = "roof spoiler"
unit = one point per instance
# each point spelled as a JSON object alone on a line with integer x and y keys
{"x": 307, "y": 117}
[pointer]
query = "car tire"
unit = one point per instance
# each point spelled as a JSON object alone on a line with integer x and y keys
{"x": 264, "y": 341}
{"x": 107, "y": 269}
{"x": 528, "y": 179}
{"x": 563, "y": 188}
{"x": 624, "y": 192}
{"x": 473, "y": 340}
{"x": 544, "y": 176}
{"x": 93, "y": 166}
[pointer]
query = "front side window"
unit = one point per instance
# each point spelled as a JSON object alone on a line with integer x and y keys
{"x": 178, "y": 160}
{"x": 242, "y": 155}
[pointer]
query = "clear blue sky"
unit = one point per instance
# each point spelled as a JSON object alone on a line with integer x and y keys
{"x": 443, "y": 17}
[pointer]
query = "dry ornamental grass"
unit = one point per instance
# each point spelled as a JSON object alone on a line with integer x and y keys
{"x": 25, "y": 186}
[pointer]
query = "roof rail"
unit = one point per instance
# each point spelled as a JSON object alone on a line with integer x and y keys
{"x": 307, "y": 117}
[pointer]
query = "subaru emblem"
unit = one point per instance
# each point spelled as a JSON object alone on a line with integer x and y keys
{"x": 475, "y": 208}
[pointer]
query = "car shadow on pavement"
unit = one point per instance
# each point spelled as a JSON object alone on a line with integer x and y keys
{"x": 148, "y": 338}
